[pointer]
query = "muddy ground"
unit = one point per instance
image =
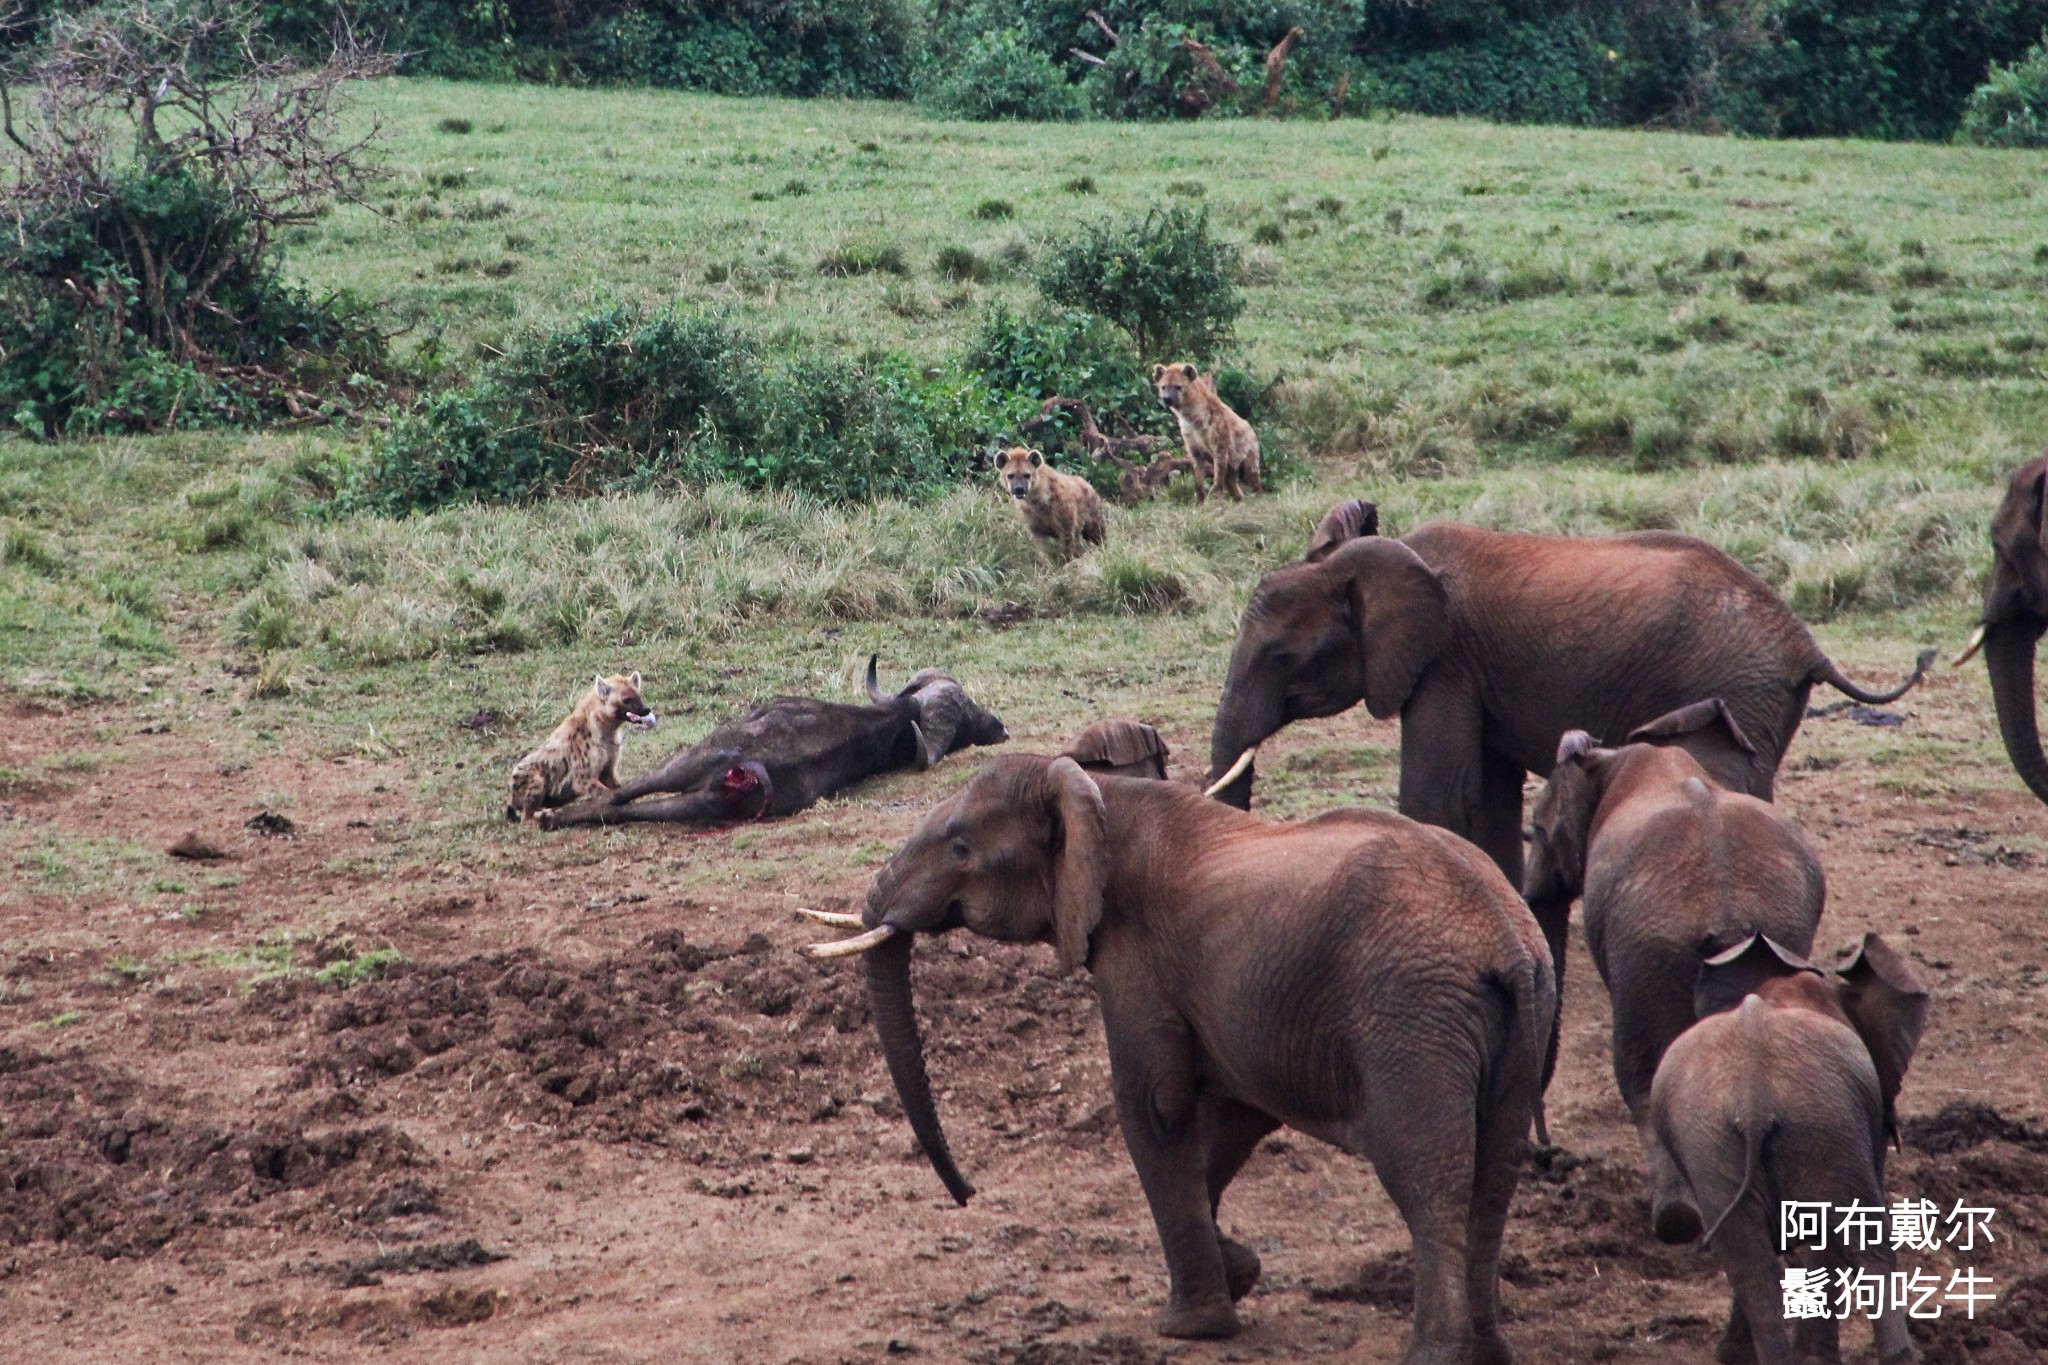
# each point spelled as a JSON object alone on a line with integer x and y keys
{"x": 602, "y": 1110}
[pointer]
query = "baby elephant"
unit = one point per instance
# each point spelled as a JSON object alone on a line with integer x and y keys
{"x": 1127, "y": 748}
{"x": 1783, "y": 1092}
{"x": 1370, "y": 981}
{"x": 1674, "y": 867}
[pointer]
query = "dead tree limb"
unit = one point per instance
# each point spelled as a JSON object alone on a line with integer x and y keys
{"x": 1103, "y": 24}
{"x": 1098, "y": 444}
{"x": 1276, "y": 64}
{"x": 1088, "y": 57}
{"x": 1337, "y": 95}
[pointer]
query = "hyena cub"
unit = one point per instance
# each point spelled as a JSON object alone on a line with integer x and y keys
{"x": 581, "y": 758}
{"x": 1223, "y": 445}
{"x": 1055, "y": 506}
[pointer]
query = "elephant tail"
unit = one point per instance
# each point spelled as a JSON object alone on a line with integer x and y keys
{"x": 1826, "y": 672}
{"x": 1755, "y": 1133}
{"x": 1530, "y": 1033}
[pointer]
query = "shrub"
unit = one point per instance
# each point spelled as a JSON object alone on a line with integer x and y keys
{"x": 961, "y": 265}
{"x": 864, "y": 258}
{"x": 999, "y": 76}
{"x": 157, "y": 162}
{"x": 625, "y": 398}
{"x": 2011, "y": 108}
{"x": 1068, "y": 353}
{"x": 995, "y": 210}
{"x": 1163, "y": 279}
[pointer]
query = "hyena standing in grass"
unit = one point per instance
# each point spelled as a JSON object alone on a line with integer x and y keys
{"x": 581, "y": 758}
{"x": 1222, "y": 444}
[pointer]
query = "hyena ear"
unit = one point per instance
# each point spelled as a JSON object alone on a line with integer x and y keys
{"x": 602, "y": 686}
{"x": 1036, "y": 459}
{"x": 1189, "y": 371}
{"x": 995, "y": 459}
{"x": 1157, "y": 371}
{"x": 635, "y": 680}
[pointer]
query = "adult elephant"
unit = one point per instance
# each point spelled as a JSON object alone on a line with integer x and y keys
{"x": 2015, "y": 615}
{"x": 1490, "y": 645}
{"x": 1359, "y": 977}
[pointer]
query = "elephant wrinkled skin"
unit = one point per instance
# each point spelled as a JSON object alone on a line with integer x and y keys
{"x": 1489, "y": 646}
{"x": 1362, "y": 978}
{"x": 1673, "y": 868}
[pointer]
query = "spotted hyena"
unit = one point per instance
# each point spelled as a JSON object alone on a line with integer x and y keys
{"x": 580, "y": 759}
{"x": 1223, "y": 445}
{"x": 1055, "y": 506}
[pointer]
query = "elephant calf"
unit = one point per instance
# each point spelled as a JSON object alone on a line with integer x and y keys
{"x": 1367, "y": 980}
{"x": 1786, "y": 1094}
{"x": 1674, "y": 867}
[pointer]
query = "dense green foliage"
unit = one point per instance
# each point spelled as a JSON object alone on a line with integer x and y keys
{"x": 1164, "y": 278}
{"x": 86, "y": 346}
{"x": 625, "y": 397}
{"x": 2011, "y": 109}
{"x": 1877, "y": 68}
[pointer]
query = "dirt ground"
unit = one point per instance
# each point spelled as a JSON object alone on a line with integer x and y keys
{"x": 599, "y": 1114}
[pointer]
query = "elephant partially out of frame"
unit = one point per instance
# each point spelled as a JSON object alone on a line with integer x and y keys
{"x": 1490, "y": 645}
{"x": 2016, "y": 615}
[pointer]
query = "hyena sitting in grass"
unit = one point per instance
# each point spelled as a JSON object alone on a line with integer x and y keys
{"x": 1062, "y": 509}
{"x": 581, "y": 758}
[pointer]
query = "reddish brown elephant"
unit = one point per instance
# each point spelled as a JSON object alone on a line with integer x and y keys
{"x": 2015, "y": 615}
{"x": 1490, "y": 645}
{"x": 1367, "y": 980}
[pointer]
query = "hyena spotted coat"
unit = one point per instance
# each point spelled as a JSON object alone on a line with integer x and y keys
{"x": 1222, "y": 444}
{"x": 1055, "y": 506}
{"x": 581, "y": 758}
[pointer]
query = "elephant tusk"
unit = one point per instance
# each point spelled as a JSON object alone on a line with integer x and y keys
{"x": 1970, "y": 649}
{"x": 1244, "y": 760}
{"x": 836, "y": 920}
{"x": 859, "y": 943}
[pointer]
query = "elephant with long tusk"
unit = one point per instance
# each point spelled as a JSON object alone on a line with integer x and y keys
{"x": 2015, "y": 616}
{"x": 1362, "y": 978}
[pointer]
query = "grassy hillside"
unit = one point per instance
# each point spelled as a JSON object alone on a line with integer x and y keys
{"x": 1822, "y": 356}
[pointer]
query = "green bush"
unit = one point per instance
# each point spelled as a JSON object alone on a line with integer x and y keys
{"x": 1164, "y": 279}
{"x": 998, "y": 76}
{"x": 2011, "y": 108}
{"x": 624, "y": 398}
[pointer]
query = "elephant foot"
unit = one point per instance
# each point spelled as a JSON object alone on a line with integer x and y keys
{"x": 1735, "y": 1346}
{"x": 1491, "y": 1348}
{"x": 1197, "y": 1321}
{"x": 1240, "y": 1267}
{"x": 1675, "y": 1219}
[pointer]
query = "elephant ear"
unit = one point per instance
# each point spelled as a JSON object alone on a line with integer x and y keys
{"x": 1562, "y": 820}
{"x": 1727, "y": 977}
{"x": 1120, "y": 746}
{"x": 1887, "y": 1003}
{"x": 1706, "y": 730}
{"x": 1081, "y": 859}
{"x": 1345, "y": 522}
{"x": 1403, "y": 615}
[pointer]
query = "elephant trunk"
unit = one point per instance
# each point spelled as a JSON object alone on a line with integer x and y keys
{"x": 2009, "y": 656}
{"x": 888, "y": 973}
{"x": 1235, "y": 735}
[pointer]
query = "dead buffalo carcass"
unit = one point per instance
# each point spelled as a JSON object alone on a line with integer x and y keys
{"x": 788, "y": 752}
{"x": 1124, "y": 748}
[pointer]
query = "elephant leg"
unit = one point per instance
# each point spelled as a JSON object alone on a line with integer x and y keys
{"x": 1735, "y": 1346}
{"x": 1428, "y": 1168}
{"x": 1237, "y": 1129}
{"x": 1442, "y": 764}
{"x": 1674, "y": 1218}
{"x": 1497, "y": 1170}
{"x": 1744, "y": 1244}
{"x": 1497, "y": 823}
{"x": 1153, "y": 1073}
{"x": 1652, "y": 1006}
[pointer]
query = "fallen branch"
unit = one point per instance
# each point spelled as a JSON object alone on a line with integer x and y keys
{"x": 1088, "y": 57}
{"x": 1276, "y": 64}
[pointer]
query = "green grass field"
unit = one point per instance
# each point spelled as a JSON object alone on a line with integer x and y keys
{"x": 1822, "y": 356}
